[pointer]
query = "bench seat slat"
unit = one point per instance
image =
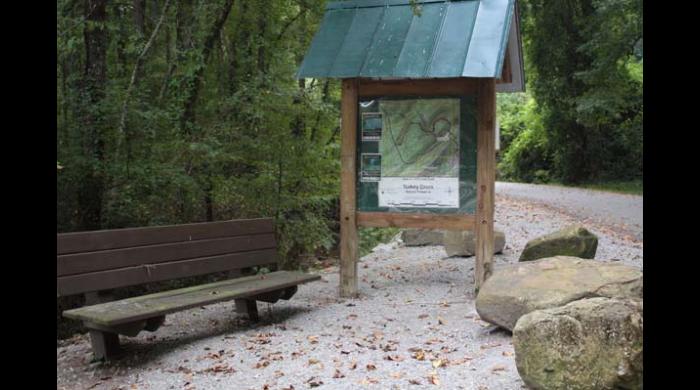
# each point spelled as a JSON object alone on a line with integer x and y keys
{"x": 153, "y": 305}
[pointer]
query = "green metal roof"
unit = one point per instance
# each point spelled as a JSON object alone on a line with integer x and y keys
{"x": 385, "y": 39}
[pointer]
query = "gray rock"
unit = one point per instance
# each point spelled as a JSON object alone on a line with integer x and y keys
{"x": 518, "y": 289}
{"x": 591, "y": 343}
{"x": 574, "y": 241}
{"x": 463, "y": 243}
{"x": 421, "y": 237}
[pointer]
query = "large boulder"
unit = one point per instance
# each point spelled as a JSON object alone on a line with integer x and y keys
{"x": 463, "y": 243}
{"x": 574, "y": 241}
{"x": 591, "y": 343}
{"x": 421, "y": 237}
{"x": 518, "y": 289}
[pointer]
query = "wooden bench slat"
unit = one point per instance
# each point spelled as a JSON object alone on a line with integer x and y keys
{"x": 125, "y": 238}
{"x": 130, "y": 276}
{"x": 78, "y": 263}
{"x": 153, "y": 305}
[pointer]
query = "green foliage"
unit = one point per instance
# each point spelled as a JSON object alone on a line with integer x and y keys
{"x": 525, "y": 151}
{"x": 582, "y": 118}
{"x": 216, "y": 126}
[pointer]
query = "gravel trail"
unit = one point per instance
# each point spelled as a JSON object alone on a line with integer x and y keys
{"x": 414, "y": 326}
{"x": 622, "y": 210}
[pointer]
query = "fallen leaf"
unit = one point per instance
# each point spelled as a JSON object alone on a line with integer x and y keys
{"x": 498, "y": 368}
{"x": 434, "y": 340}
{"x": 460, "y": 361}
{"x": 368, "y": 381}
{"x": 394, "y": 358}
{"x": 388, "y": 348}
{"x": 314, "y": 382}
{"x": 419, "y": 355}
{"x": 438, "y": 363}
{"x": 493, "y": 345}
{"x": 313, "y": 339}
{"x": 433, "y": 378}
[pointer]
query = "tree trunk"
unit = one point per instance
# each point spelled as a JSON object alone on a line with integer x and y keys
{"x": 140, "y": 16}
{"x": 94, "y": 78}
{"x": 187, "y": 118}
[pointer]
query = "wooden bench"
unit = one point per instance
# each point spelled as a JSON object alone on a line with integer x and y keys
{"x": 92, "y": 263}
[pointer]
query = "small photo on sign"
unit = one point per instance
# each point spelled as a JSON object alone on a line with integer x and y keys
{"x": 371, "y": 126}
{"x": 371, "y": 168}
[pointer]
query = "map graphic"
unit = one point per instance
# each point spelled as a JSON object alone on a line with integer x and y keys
{"x": 420, "y": 138}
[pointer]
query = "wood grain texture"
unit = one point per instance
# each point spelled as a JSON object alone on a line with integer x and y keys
{"x": 506, "y": 72}
{"x": 126, "y": 238}
{"x": 147, "y": 273}
{"x": 148, "y": 306}
{"x": 485, "y": 180}
{"x": 418, "y": 87}
{"x": 414, "y": 220}
{"x": 78, "y": 263}
{"x": 348, "y": 226}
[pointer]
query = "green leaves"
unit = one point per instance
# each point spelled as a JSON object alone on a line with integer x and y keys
{"x": 584, "y": 66}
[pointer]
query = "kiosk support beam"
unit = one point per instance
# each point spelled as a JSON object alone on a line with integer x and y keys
{"x": 348, "y": 222}
{"x": 485, "y": 178}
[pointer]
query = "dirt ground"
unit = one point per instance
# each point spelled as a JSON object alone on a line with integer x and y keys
{"x": 414, "y": 326}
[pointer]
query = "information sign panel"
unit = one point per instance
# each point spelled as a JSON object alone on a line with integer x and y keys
{"x": 417, "y": 155}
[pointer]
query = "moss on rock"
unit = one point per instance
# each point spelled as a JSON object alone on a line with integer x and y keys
{"x": 593, "y": 343}
{"x": 574, "y": 241}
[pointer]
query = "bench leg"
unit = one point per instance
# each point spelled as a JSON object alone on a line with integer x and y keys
{"x": 249, "y": 307}
{"x": 105, "y": 345}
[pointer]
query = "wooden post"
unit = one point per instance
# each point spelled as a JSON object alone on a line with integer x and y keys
{"x": 348, "y": 223}
{"x": 485, "y": 180}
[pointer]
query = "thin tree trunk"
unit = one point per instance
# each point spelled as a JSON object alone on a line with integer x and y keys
{"x": 192, "y": 93}
{"x": 137, "y": 69}
{"x": 140, "y": 16}
{"x": 94, "y": 78}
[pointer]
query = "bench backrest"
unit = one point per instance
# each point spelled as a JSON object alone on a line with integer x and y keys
{"x": 106, "y": 259}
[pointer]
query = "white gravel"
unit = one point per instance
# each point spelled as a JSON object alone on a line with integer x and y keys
{"x": 416, "y": 311}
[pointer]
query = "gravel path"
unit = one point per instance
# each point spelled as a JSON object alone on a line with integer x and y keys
{"x": 414, "y": 326}
{"x": 624, "y": 211}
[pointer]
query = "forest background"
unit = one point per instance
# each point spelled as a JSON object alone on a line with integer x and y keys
{"x": 178, "y": 111}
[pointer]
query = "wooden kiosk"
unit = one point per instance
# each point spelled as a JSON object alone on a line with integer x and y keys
{"x": 418, "y": 112}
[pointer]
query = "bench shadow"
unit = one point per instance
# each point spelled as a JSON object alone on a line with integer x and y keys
{"x": 140, "y": 351}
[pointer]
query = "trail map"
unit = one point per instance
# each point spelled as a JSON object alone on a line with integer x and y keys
{"x": 417, "y": 164}
{"x": 420, "y": 138}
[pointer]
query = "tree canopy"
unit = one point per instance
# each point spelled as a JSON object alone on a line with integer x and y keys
{"x": 184, "y": 111}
